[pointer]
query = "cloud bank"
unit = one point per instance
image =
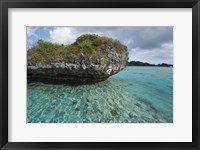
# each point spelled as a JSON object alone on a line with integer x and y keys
{"x": 147, "y": 44}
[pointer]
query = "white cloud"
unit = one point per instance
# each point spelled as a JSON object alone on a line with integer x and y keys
{"x": 154, "y": 46}
{"x": 62, "y": 35}
{"x": 154, "y": 56}
{"x": 31, "y": 31}
{"x": 167, "y": 45}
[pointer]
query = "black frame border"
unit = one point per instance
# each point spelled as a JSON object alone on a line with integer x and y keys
{"x": 6, "y": 4}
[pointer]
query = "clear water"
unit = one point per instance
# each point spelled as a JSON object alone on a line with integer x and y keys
{"x": 134, "y": 95}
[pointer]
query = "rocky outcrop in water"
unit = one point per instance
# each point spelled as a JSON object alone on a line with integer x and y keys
{"x": 90, "y": 58}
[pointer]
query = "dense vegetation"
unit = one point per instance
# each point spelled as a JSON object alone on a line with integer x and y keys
{"x": 165, "y": 65}
{"x": 87, "y": 46}
{"x": 138, "y": 63}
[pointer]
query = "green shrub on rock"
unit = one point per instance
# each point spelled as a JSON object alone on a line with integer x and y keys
{"x": 87, "y": 46}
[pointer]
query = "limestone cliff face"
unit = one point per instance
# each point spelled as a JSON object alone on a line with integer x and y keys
{"x": 80, "y": 66}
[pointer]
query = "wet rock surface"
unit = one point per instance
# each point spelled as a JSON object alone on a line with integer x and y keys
{"x": 71, "y": 71}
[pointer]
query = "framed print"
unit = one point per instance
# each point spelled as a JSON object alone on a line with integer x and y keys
{"x": 103, "y": 74}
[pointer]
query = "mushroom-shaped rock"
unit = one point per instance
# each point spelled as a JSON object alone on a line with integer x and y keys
{"x": 90, "y": 58}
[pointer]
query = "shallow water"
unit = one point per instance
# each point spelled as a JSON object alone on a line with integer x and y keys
{"x": 135, "y": 95}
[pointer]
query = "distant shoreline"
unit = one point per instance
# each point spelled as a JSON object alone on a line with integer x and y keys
{"x": 138, "y": 63}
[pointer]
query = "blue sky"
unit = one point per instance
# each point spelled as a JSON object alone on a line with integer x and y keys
{"x": 147, "y": 44}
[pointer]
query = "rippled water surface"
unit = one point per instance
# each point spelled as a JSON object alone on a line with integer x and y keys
{"x": 135, "y": 95}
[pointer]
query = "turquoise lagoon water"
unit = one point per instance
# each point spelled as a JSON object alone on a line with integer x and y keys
{"x": 134, "y": 95}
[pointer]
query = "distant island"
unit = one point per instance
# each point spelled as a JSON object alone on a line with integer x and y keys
{"x": 138, "y": 63}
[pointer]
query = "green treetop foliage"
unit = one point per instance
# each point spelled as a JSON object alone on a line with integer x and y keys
{"x": 89, "y": 45}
